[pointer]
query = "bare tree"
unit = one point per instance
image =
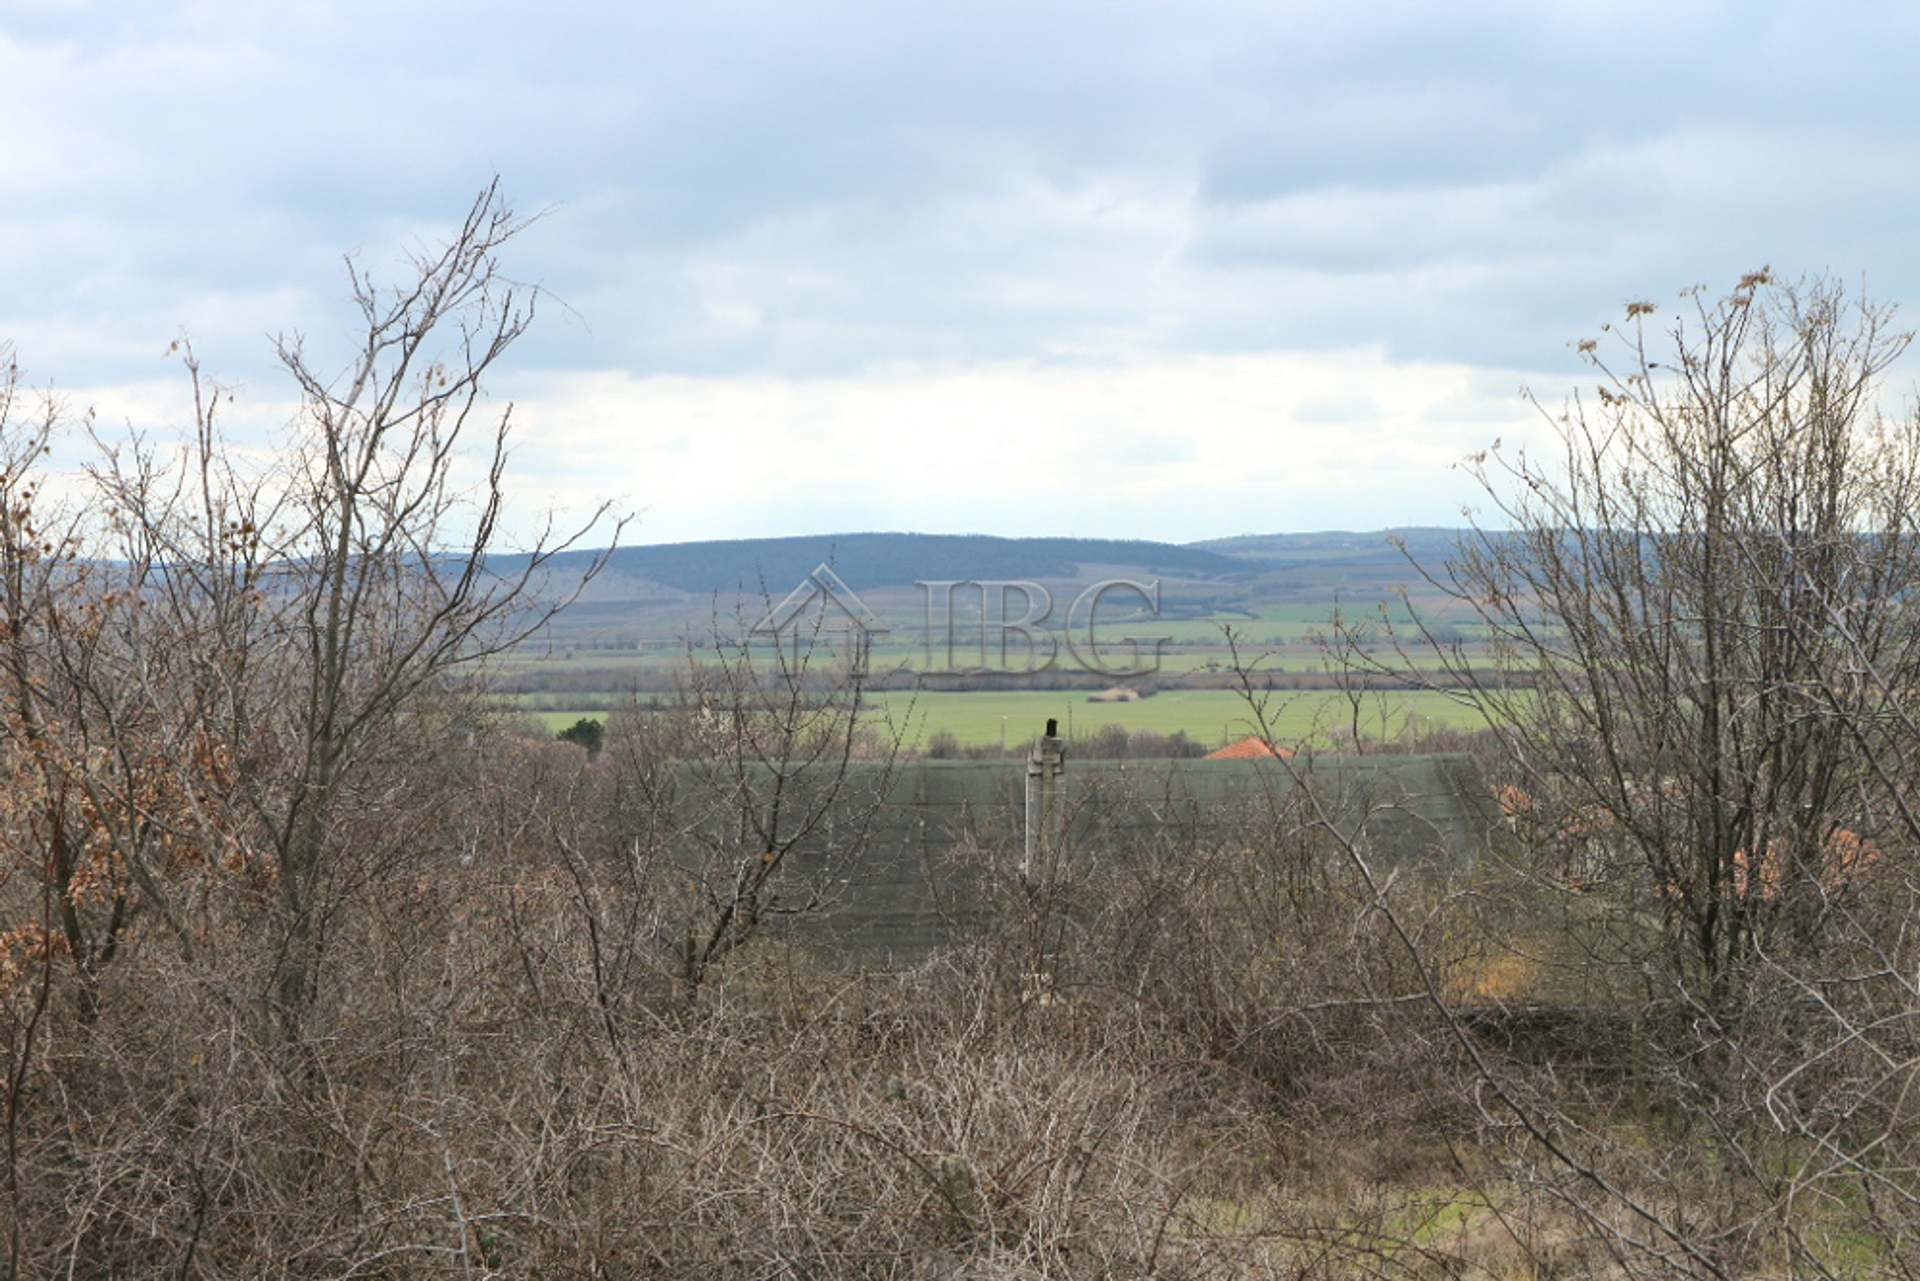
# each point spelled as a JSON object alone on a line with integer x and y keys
{"x": 789, "y": 724}
{"x": 1694, "y": 634}
{"x": 331, "y": 595}
{"x": 1711, "y": 588}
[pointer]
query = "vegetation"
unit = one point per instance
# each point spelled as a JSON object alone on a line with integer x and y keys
{"x": 313, "y": 965}
{"x": 775, "y": 564}
{"x": 586, "y": 733}
{"x": 1713, "y": 588}
{"x": 634, "y": 631}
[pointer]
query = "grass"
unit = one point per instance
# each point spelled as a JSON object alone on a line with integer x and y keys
{"x": 1210, "y": 717}
{"x": 1191, "y": 646}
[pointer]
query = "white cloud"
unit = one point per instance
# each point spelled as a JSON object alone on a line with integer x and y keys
{"x": 1180, "y": 449}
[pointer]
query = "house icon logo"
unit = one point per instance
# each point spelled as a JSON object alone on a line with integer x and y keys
{"x": 823, "y": 603}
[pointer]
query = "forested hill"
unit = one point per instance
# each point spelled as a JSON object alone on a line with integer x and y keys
{"x": 1424, "y": 543}
{"x": 881, "y": 559}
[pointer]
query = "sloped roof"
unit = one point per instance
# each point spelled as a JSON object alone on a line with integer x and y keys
{"x": 1250, "y": 748}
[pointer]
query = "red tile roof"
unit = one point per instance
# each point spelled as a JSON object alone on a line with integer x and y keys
{"x": 1252, "y": 747}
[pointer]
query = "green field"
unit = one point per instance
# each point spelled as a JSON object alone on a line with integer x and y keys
{"x": 1210, "y": 717}
{"x": 1267, "y": 624}
{"x": 1267, "y": 636}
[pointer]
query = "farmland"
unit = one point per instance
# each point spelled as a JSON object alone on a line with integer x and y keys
{"x": 985, "y": 639}
{"x": 1211, "y": 718}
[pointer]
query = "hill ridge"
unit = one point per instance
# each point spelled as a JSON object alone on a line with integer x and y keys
{"x": 883, "y": 559}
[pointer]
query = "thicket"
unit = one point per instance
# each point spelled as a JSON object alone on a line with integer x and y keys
{"x": 1199, "y": 1057}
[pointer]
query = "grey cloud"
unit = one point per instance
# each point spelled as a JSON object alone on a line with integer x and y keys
{"x": 822, "y": 188}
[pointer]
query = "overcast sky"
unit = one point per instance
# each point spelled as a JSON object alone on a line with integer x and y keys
{"x": 1105, "y": 268}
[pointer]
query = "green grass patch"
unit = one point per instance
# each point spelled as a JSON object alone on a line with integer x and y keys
{"x": 554, "y": 722}
{"x": 1211, "y": 717}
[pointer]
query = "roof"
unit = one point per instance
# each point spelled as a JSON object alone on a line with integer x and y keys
{"x": 1250, "y": 748}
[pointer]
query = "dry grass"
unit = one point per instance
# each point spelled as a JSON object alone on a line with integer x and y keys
{"x": 1210, "y": 1067}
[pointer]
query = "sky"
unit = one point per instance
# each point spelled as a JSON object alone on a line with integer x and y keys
{"x": 1103, "y": 269}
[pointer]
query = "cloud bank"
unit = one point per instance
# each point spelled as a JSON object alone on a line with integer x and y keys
{"x": 1115, "y": 269}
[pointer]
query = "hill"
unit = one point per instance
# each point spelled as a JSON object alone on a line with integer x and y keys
{"x": 668, "y": 591}
{"x": 757, "y": 565}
